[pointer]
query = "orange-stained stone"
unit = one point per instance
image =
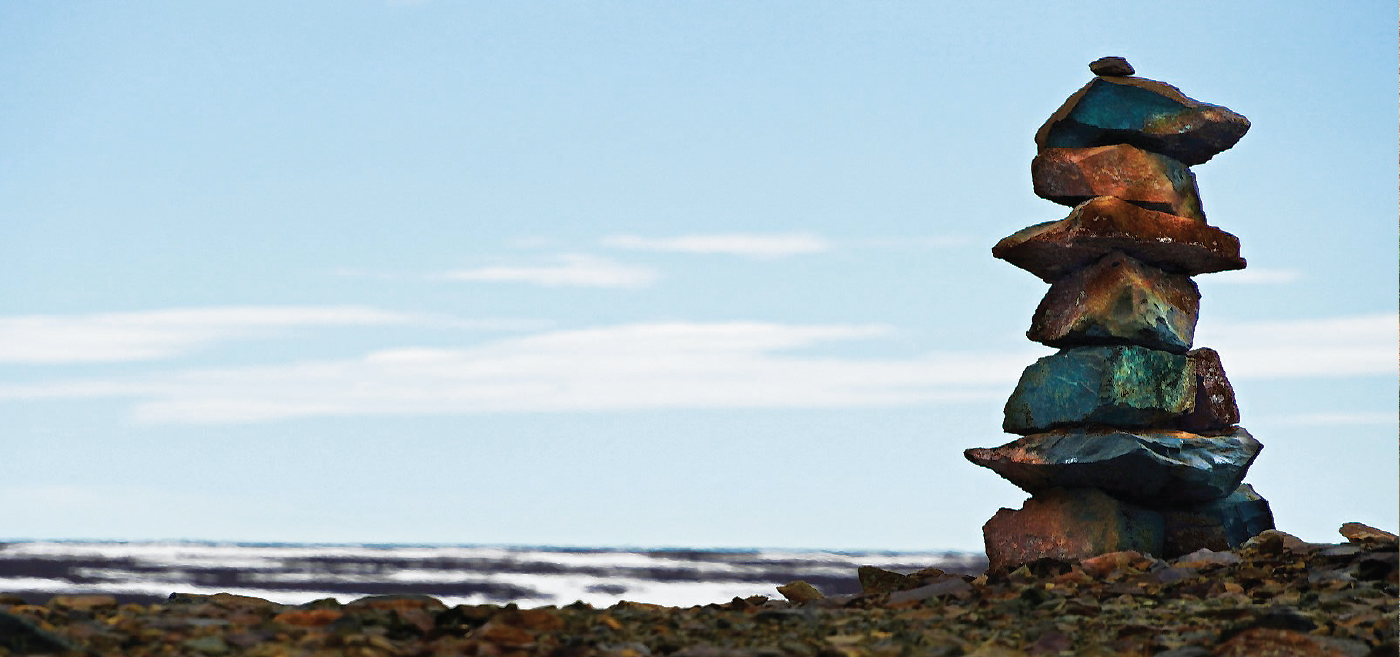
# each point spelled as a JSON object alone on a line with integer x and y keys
{"x": 308, "y": 617}
{"x": 1118, "y": 300}
{"x": 1215, "y": 407}
{"x": 1070, "y": 176}
{"x": 1055, "y": 249}
{"x": 1069, "y": 525}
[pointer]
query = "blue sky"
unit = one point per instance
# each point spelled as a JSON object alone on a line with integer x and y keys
{"x": 621, "y": 273}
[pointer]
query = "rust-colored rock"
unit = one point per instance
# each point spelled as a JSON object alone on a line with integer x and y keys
{"x": 1215, "y": 398}
{"x": 1118, "y": 300}
{"x": 1055, "y": 249}
{"x": 1069, "y": 525}
{"x": 1070, "y": 176}
{"x": 1151, "y": 115}
{"x": 1356, "y": 532}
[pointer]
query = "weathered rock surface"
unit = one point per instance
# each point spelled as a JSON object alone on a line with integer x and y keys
{"x": 1218, "y": 525}
{"x": 1151, "y": 468}
{"x": 1070, "y": 176}
{"x": 1112, "y": 66}
{"x": 1118, "y": 300}
{"x": 1215, "y": 406}
{"x": 1151, "y": 115}
{"x": 1055, "y": 249}
{"x": 1069, "y": 525}
{"x": 1123, "y": 386}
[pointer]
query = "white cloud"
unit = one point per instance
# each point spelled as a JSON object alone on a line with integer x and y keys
{"x": 569, "y": 271}
{"x": 751, "y": 245}
{"x": 1256, "y": 276}
{"x": 149, "y": 335}
{"x": 1358, "y": 345}
{"x": 1343, "y": 418}
{"x": 627, "y": 367}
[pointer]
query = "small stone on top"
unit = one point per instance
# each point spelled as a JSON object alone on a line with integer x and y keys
{"x": 1112, "y": 66}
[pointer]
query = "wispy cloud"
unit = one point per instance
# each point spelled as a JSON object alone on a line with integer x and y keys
{"x": 565, "y": 271}
{"x": 1344, "y": 418}
{"x": 1330, "y": 347}
{"x": 752, "y": 245}
{"x": 626, "y": 367}
{"x": 156, "y": 334}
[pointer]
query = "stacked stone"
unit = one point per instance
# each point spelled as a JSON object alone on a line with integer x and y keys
{"x": 1129, "y": 435}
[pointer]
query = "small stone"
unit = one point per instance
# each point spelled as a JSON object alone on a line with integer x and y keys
{"x": 1205, "y": 557}
{"x": 1215, "y": 407}
{"x": 1356, "y": 532}
{"x": 948, "y": 586}
{"x": 1152, "y": 468}
{"x": 1070, "y": 176}
{"x": 1113, "y": 66}
{"x": 1220, "y": 525}
{"x": 798, "y": 591}
{"x": 1055, "y": 249}
{"x": 1069, "y": 525}
{"x": 83, "y": 602}
{"x": 1151, "y": 115}
{"x": 1124, "y": 387}
{"x": 1118, "y": 300}
{"x": 879, "y": 580}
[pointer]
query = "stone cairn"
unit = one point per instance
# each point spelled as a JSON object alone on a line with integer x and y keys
{"x": 1129, "y": 437}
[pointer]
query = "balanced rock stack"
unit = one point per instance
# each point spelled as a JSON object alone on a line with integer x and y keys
{"x": 1129, "y": 435}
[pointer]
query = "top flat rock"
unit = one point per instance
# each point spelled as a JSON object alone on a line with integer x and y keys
{"x": 1099, "y": 226}
{"x": 1148, "y": 114}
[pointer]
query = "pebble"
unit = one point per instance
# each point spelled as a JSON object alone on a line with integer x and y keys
{"x": 1111, "y": 66}
{"x": 1274, "y": 596}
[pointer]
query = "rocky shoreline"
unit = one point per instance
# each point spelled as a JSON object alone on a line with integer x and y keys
{"x": 1275, "y": 595}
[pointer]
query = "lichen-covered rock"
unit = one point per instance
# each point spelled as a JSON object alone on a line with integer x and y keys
{"x": 1070, "y": 176}
{"x": 1219, "y": 525}
{"x": 1055, "y": 249}
{"x": 1111, "y": 66}
{"x": 1069, "y": 525}
{"x": 1118, "y": 300}
{"x": 1215, "y": 407}
{"x": 1152, "y": 468}
{"x": 1151, "y": 115}
{"x": 1124, "y": 386}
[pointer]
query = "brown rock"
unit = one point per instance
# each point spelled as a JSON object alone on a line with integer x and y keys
{"x": 1118, "y": 300}
{"x": 1267, "y": 642}
{"x": 83, "y": 602}
{"x": 1356, "y": 532}
{"x": 1219, "y": 525}
{"x": 1111, "y": 66}
{"x": 1070, "y": 176}
{"x": 879, "y": 580}
{"x": 1069, "y": 525}
{"x": 1215, "y": 399}
{"x": 1055, "y": 249}
{"x": 798, "y": 591}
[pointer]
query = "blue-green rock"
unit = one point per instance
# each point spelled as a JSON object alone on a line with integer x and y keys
{"x": 1148, "y": 114}
{"x": 1220, "y": 525}
{"x": 1152, "y": 468}
{"x": 1117, "y": 386}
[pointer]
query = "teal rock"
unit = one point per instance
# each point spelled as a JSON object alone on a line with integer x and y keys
{"x": 1151, "y": 468}
{"x": 1122, "y": 386}
{"x": 1069, "y": 525}
{"x": 1148, "y": 114}
{"x": 1119, "y": 300}
{"x": 1220, "y": 525}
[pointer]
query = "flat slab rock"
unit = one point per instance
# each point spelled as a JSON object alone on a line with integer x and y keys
{"x": 1118, "y": 300}
{"x": 1152, "y": 468}
{"x": 1070, "y": 176}
{"x": 1124, "y": 387}
{"x": 1152, "y": 115}
{"x": 1055, "y": 249}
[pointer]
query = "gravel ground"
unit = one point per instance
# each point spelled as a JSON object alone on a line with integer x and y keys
{"x": 1275, "y": 596}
